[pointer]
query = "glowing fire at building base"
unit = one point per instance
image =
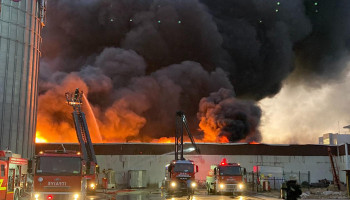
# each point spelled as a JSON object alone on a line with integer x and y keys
{"x": 39, "y": 138}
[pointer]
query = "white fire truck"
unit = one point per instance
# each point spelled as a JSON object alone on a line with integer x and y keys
{"x": 13, "y": 175}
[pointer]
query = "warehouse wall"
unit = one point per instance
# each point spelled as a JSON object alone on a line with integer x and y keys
{"x": 319, "y": 166}
{"x": 312, "y": 161}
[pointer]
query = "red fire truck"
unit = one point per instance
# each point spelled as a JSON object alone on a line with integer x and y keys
{"x": 63, "y": 174}
{"x": 59, "y": 174}
{"x": 180, "y": 177}
{"x": 180, "y": 173}
{"x": 13, "y": 175}
{"x": 81, "y": 128}
{"x": 226, "y": 177}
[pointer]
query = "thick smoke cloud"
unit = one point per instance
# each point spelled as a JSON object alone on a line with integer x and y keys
{"x": 163, "y": 32}
{"x": 303, "y": 113}
{"x": 232, "y": 120}
{"x": 323, "y": 54}
{"x": 309, "y": 36}
{"x": 260, "y": 41}
{"x": 168, "y": 58}
{"x": 140, "y": 61}
{"x": 129, "y": 105}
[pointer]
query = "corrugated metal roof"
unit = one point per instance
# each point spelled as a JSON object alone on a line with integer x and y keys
{"x": 205, "y": 148}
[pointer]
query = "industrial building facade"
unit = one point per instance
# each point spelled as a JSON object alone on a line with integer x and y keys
{"x": 334, "y": 139}
{"x": 21, "y": 22}
{"x": 304, "y": 162}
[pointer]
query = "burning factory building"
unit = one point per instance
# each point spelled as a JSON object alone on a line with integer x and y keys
{"x": 135, "y": 82}
{"x": 140, "y": 62}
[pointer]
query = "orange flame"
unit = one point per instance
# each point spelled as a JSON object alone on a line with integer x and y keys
{"x": 164, "y": 140}
{"x": 223, "y": 140}
{"x": 211, "y": 132}
{"x": 39, "y": 138}
{"x": 120, "y": 122}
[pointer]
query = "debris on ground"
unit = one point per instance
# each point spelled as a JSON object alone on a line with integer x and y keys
{"x": 304, "y": 195}
{"x": 323, "y": 193}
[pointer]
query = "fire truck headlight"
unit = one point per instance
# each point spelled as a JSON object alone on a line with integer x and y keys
{"x": 193, "y": 184}
{"x": 76, "y": 196}
{"x": 222, "y": 186}
{"x": 36, "y": 196}
{"x": 173, "y": 184}
{"x": 40, "y": 179}
{"x": 240, "y": 186}
{"x": 92, "y": 185}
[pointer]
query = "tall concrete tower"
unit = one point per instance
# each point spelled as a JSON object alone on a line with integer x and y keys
{"x": 21, "y": 22}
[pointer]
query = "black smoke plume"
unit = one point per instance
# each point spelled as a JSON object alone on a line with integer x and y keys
{"x": 140, "y": 61}
{"x": 231, "y": 119}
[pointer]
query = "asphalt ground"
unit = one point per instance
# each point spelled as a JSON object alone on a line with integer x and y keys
{"x": 156, "y": 194}
{"x": 148, "y": 194}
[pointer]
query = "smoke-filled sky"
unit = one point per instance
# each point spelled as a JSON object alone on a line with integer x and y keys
{"x": 300, "y": 114}
{"x": 138, "y": 62}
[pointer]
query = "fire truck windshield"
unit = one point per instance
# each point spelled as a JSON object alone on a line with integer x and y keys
{"x": 229, "y": 170}
{"x": 180, "y": 167}
{"x": 65, "y": 166}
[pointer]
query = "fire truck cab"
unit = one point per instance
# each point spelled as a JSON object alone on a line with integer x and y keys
{"x": 226, "y": 177}
{"x": 59, "y": 174}
{"x": 13, "y": 175}
{"x": 180, "y": 177}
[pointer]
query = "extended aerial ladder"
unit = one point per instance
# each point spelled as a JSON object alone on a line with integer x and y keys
{"x": 83, "y": 135}
{"x": 181, "y": 124}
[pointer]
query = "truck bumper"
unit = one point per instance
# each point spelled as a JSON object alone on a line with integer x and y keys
{"x": 56, "y": 196}
{"x": 180, "y": 190}
{"x": 230, "y": 188}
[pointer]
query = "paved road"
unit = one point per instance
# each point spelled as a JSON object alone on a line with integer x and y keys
{"x": 153, "y": 195}
{"x": 156, "y": 195}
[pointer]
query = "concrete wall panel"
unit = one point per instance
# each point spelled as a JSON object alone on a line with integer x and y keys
{"x": 318, "y": 166}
